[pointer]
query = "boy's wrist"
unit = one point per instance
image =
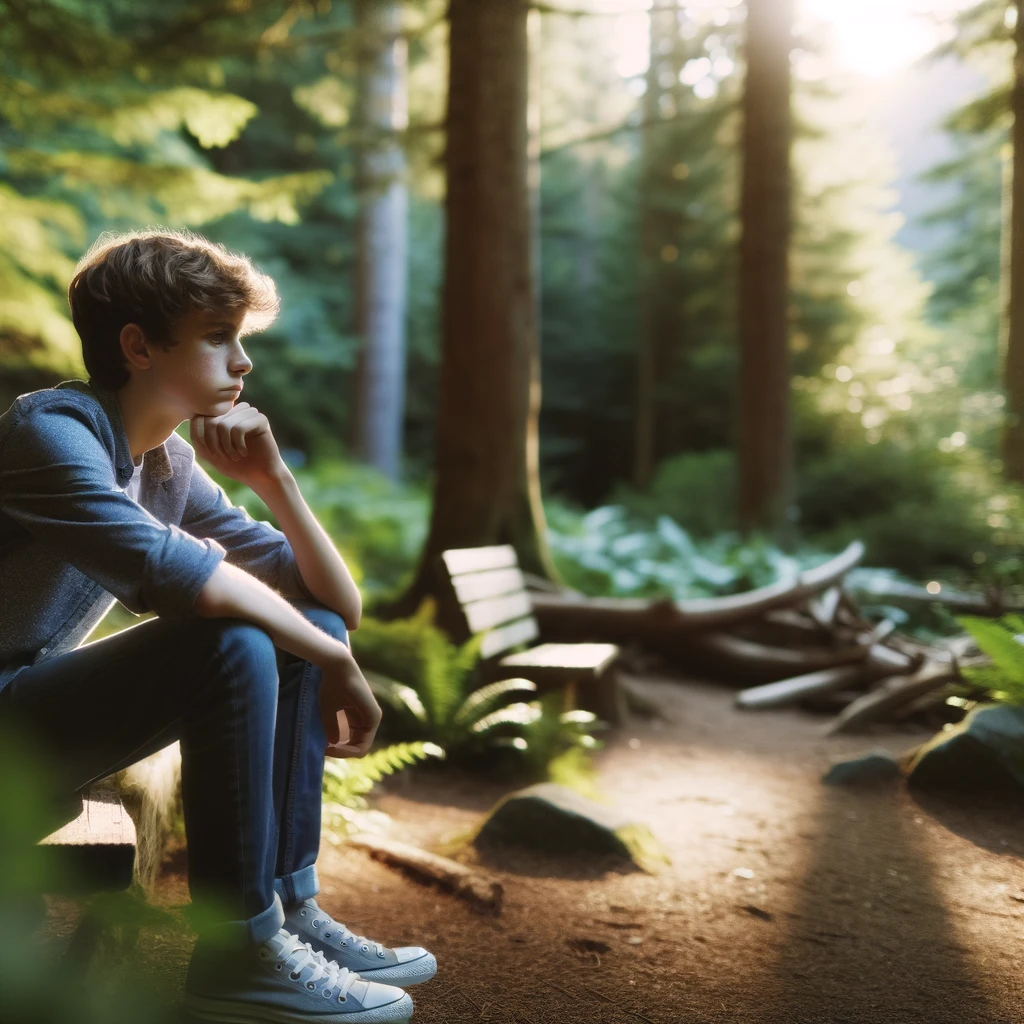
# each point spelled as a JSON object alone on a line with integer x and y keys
{"x": 273, "y": 482}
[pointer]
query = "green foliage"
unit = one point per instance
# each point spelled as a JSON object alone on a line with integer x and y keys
{"x": 428, "y": 688}
{"x": 348, "y": 780}
{"x": 1003, "y": 641}
{"x": 378, "y": 526}
{"x": 696, "y": 489}
{"x": 611, "y": 551}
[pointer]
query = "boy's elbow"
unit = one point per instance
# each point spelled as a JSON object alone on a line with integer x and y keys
{"x": 352, "y": 617}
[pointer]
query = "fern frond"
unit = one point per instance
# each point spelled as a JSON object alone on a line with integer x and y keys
{"x": 399, "y": 696}
{"x": 514, "y": 714}
{"x": 481, "y": 702}
{"x": 346, "y": 780}
{"x": 998, "y": 638}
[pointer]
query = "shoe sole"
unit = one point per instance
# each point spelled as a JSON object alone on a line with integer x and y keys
{"x": 229, "y": 1011}
{"x": 402, "y": 975}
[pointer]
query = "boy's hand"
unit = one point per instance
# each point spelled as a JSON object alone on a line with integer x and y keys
{"x": 238, "y": 444}
{"x": 348, "y": 709}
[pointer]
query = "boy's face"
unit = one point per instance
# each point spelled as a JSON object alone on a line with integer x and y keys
{"x": 206, "y": 360}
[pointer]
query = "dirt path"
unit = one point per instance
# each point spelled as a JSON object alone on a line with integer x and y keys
{"x": 861, "y": 907}
{"x": 788, "y": 901}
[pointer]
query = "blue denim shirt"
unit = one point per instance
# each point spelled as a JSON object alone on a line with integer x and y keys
{"x": 72, "y": 540}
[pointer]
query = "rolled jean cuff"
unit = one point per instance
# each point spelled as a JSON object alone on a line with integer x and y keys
{"x": 269, "y": 923}
{"x": 236, "y": 934}
{"x": 298, "y": 886}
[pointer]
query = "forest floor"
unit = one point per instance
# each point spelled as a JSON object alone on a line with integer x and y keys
{"x": 788, "y": 901}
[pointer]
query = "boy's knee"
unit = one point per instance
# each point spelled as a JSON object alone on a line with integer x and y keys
{"x": 326, "y": 619}
{"x": 245, "y": 647}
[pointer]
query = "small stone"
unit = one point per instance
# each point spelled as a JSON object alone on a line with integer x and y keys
{"x": 635, "y": 940}
{"x": 869, "y": 770}
{"x": 743, "y": 872}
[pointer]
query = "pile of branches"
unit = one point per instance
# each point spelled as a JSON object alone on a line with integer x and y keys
{"x": 800, "y": 642}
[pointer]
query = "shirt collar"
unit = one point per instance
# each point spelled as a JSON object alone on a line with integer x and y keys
{"x": 156, "y": 461}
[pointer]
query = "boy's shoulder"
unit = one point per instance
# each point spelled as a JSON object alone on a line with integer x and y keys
{"x": 71, "y": 397}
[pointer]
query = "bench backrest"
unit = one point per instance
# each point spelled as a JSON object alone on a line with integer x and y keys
{"x": 489, "y": 591}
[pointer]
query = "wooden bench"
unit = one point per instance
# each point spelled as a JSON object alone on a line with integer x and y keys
{"x": 484, "y": 593}
{"x": 95, "y": 850}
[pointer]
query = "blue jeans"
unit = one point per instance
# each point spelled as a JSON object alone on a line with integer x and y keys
{"x": 252, "y": 747}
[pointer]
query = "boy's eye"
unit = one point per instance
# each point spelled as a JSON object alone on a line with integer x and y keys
{"x": 219, "y": 336}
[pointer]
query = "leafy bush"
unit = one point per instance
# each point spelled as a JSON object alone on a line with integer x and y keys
{"x": 697, "y": 490}
{"x": 379, "y": 526}
{"x": 918, "y": 510}
{"x": 611, "y": 551}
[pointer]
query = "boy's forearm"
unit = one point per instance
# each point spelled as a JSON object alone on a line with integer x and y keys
{"x": 232, "y": 593}
{"x": 323, "y": 570}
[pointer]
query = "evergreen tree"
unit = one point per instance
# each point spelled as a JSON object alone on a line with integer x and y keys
{"x": 765, "y": 447}
{"x": 487, "y": 487}
{"x": 382, "y": 236}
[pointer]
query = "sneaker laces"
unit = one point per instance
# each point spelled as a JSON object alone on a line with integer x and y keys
{"x": 299, "y": 955}
{"x": 346, "y": 933}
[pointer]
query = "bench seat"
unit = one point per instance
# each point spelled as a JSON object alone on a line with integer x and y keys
{"x": 96, "y": 850}
{"x": 484, "y": 594}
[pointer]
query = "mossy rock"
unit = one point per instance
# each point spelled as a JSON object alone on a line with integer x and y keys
{"x": 873, "y": 769}
{"x": 985, "y": 750}
{"x": 555, "y": 819}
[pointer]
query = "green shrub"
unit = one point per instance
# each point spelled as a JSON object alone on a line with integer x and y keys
{"x": 612, "y": 551}
{"x": 696, "y": 489}
{"x": 1003, "y": 641}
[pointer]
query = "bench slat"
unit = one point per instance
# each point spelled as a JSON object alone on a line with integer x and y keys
{"x": 479, "y": 585}
{"x": 496, "y": 611}
{"x": 501, "y": 639}
{"x": 102, "y": 822}
{"x": 570, "y": 657}
{"x": 463, "y": 560}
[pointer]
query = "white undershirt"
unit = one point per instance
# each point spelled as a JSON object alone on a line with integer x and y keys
{"x": 133, "y": 485}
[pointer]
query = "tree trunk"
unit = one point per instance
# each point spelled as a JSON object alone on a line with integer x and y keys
{"x": 382, "y": 237}
{"x": 487, "y": 488}
{"x": 765, "y": 445}
{"x": 650, "y": 234}
{"x": 1013, "y": 362}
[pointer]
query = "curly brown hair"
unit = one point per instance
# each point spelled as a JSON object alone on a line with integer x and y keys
{"x": 153, "y": 278}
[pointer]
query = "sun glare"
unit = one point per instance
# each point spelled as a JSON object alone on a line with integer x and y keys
{"x": 876, "y": 38}
{"x": 873, "y": 38}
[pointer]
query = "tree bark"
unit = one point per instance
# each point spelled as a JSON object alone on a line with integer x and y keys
{"x": 646, "y": 373}
{"x": 382, "y": 233}
{"x": 487, "y": 488}
{"x": 765, "y": 455}
{"x": 1013, "y": 360}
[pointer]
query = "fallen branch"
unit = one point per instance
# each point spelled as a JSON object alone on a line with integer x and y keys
{"x": 481, "y": 891}
{"x": 878, "y": 661}
{"x": 788, "y": 691}
{"x": 622, "y": 619}
{"x": 733, "y": 656}
{"x": 891, "y": 694}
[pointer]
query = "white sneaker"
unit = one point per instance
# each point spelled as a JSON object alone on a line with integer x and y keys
{"x": 285, "y": 981}
{"x": 404, "y": 965}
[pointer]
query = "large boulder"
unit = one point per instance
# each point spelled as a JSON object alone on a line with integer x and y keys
{"x": 985, "y": 750}
{"x": 554, "y": 819}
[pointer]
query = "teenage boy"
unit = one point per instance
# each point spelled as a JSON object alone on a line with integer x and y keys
{"x": 246, "y": 661}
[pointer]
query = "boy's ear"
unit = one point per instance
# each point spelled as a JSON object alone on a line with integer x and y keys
{"x": 135, "y": 347}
